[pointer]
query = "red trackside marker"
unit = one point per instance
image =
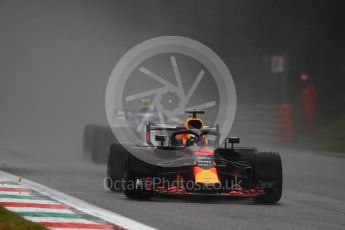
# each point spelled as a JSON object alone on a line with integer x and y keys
{"x": 7, "y": 189}
{"x": 33, "y": 205}
{"x": 80, "y": 225}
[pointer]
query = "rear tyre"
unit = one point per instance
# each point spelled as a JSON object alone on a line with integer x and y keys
{"x": 88, "y": 139}
{"x": 103, "y": 138}
{"x": 116, "y": 167}
{"x": 267, "y": 170}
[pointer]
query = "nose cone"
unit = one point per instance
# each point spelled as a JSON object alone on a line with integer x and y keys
{"x": 206, "y": 176}
{"x": 204, "y": 170}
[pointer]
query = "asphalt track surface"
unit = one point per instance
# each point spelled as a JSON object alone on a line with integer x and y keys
{"x": 313, "y": 194}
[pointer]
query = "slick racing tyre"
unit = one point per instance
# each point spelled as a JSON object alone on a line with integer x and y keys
{"x": 88, "y": 138}
{"x": 116, "y": 167}
{"x": 267, "y": 171}
{"x": 134, "y": 187}
{"x": 102, "y": 139}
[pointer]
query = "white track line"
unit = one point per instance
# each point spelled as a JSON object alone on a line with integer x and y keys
{"x": 25, "y": 209}
{"x": 81, "y": 205}
{"x": 11, "y": 185}
{"x": 15, "y": 193}
{"x": 59, "y": 219}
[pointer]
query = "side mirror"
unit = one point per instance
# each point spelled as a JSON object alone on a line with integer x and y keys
{"x": 160, "y": 138}
{"x": 232, "y": 141}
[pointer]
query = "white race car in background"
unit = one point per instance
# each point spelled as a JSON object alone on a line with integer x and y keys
{"x": 98, "y": 138}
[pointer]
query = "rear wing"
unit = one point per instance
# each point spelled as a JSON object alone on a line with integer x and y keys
{"x": 166, "y": 127}
{"x": 157, "y": 127}
{"x": 162, "y": 127}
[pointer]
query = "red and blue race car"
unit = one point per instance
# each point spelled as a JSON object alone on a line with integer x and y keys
{"x": 187, "y": 159}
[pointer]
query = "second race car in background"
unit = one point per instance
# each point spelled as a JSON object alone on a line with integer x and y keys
{"x": 98, "y": 138}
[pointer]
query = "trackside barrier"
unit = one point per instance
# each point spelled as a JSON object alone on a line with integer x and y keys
{"x": 285, "y": 124}
{"x": 264, "y": 121}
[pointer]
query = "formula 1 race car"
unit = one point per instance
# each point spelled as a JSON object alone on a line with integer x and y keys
{"x": 98, "y": 138}
{"x": 188, "y": 160}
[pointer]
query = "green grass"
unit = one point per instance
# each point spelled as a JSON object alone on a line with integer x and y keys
{"x": 12, "y": 221}
{"x": 329, "y": 138}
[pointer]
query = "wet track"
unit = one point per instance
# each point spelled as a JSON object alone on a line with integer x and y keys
{"x": 313, "y": 194}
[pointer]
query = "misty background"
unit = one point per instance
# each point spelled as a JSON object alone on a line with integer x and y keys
{"x": 56, "y": 58}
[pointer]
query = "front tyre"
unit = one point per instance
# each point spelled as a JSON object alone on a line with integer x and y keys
{"x": 135, "y": 187}
{"x": 88, "y": 139}
{"x": 267, "y": 171}
{"x": 136, "y": 191}
{"x": 116, "y": 167}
